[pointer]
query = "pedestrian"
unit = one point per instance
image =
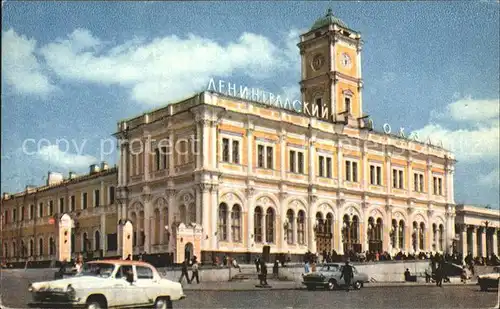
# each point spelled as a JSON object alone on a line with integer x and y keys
{"x": 184, "y": 272}
{"x": 347, "y": 274}
{"x": 194, "y": 269}
{"x": 464, "y": 275}
{"x": 275, "y": 269}
{"x": 428, "y": 272}
{"x": 439, "y": 275}
{"x": 79, "y": 263}
{"x": 407, "y": 275}
{"x": 263, "y": 273}
{"x": 236, "y": 265}
{"x": 257, "y": 264}
{"x": 306, "y": 267}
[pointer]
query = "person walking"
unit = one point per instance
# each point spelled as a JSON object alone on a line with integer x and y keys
{"x": 263, "y": 273}
{"x": 236, "y": 265}
{"x": 257, "y": 264}
{"x": 184, "y": 272}
{"x": 439, "y": 276}
{"x": 347, "y": 274}
{"x": 194, "y": 269}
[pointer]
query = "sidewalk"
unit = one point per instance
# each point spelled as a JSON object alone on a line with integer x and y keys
{"x": 290, "y": 285}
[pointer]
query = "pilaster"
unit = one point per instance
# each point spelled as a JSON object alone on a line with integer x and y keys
{"x": 494, "y": 241}
{"x": 474, "y": 241}
{"x": 214, "y": 191}
{"x": 250, "y": 191}
{"x": 483, "y": 242}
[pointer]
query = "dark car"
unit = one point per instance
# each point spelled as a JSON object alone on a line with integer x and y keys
{"x": 329, "y": 277}
{"x": 490, "y": 281}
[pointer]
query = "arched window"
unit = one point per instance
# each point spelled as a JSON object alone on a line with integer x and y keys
{"x": 301, "y": 219}
{"x": 379, "y": 229}
{"x": 394, "y": 229}
{"x": 421, "y": 236}
{"x": 401, "y": 234}
{"x": 84, "y": 242}
{"x": 236, "y": 223}
{"x": 329, "y": 224}
{"x": 222, "y": 233}
{"x": 32, "y": 247}
{"x": 97, "y": 240}
{"x": 192, "y": 213}
{"x": 441, "y": 236}
{"x": 355, "y": 230}
{"x": 40, "y": 247}
{"x": 289, "y": 226}
{"x": 270, "y": 225}
{"x": 320, "y": 225}
{"x": 257, "y": 223}
{"x": 182, "y": 213}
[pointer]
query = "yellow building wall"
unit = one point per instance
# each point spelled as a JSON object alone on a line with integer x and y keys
{"x": 341, "y": 87}
{"x": 353, "y": 70}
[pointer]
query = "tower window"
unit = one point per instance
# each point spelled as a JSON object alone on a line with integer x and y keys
{"x": 347, "y": 105}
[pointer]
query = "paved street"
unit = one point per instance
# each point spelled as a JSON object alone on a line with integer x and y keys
{"x": 15, "y": 295}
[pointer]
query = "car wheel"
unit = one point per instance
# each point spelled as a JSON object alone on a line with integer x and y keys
{"x": 94, "y": 305}
{"x": 163, "y": 303}
{"x": 357, "y": 285}
{"x": 332, "y": 284}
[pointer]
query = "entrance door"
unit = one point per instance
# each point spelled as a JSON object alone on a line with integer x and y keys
{"x": 188, "y": 251}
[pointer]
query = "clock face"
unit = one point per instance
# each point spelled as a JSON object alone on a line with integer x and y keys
{"x": 346, "y": 60}
{"x": 318, "y": 62}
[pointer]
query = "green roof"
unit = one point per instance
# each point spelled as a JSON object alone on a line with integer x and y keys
{"x": 328, "y": 19}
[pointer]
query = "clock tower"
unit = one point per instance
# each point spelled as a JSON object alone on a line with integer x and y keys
{"x": 331, "y": 72}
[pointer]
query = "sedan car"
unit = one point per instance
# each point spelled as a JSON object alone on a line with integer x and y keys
{"x": 329, "y": 277}
{"x": 108, "y": 284}
{"x": 491, "y": 280}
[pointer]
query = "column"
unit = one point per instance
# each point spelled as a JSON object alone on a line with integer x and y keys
{"x": 436, "y": 239}
{"x": 250, "y": 220}
{"x": 198, "y": 204}
{"x": 312, "y": 160}
{"x": 365, "y": 168}
{"x": 428, "y": 174}
{"x": 264, "y": 226}
{"x": 213, "y": 140}
{"x": 494, "y": 241}
{"x": 474, "y": 242}
{"x": 229, "y": 221}
{"x": 125, "y": 164}
{"x": 205, "y": 140}
{"x": 294, "y": 229}
{"x": 388, "y": 174}
{"x": 249, "y": 150}
{"x": 147, "y": 225}
{"x": 205, "y": 221}
{"x": 171, "y": 152}
{"x": 147, "y": 154}
{"x": 162, "y": 227}
{"x": 213, "y": 217}
{"x": 104, "y": 245}
{"x": 198, "y": 140}
{"x": 396, "y": 235}
{"x": 483, "y": 242}
{"x": 386, "y": 228}
{"x": 283, "y": 153}
{"x": 409, "y": 175}
{"x": 120, "y": 165}
{"x": 311, "y": 234}
{"x": 451, "y": 189}
{"x": 463, "y": 240}
{"x": 171, "y": 204}
{"x": 340, "y": 159}
{"x": 103, "y": 203}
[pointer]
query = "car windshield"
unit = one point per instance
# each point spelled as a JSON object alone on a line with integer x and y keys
{"x": 329, "y": 268}
{"x": 102, "y": 270}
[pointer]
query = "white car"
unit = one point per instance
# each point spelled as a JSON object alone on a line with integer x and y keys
{"x": 108, "y": 284}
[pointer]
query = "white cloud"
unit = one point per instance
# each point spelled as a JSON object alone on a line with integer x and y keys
{"x": 21, "y": 68}
{"x": 477, "y": 138}
{"x": 54, "y": 156}
{"x": 167, "y": 68}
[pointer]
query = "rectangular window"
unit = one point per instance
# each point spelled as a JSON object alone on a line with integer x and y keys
{"x": 321, "y": 166}
{"x": 292, "y": 161}
{"x": 111, "y": 195}
{"x": 51, "y": 208}
{"x": 379, "y": 175}
{"x": 440, "y": 186}
{"x": 415, "y": 182}
{"x": 269, "y": 157}
{"x": 372, "y": 174}
{"x": 355, "y": 171}
{"x": 236, "y": 152}
{"x": 225, "y": 150}
{"x": 32, "y": 211}
{"x": 84, "y": 200}
{"x": 421, "y": 181}
{"x": 375, "y": 175}
{"x": 72, "y": 203}
{"x": 97, "y": 198}
{"x": 260, "y": 156}
{"x": 22, "y": 213}
{"x": 61, "y": 205}
{"x": 394, "y": 178}
{"x": 40, "y": 210}
{"x": 401, "y": 180}
{"x": 14, "y": 215}
{"x": 348, "y": 105}
{"x": 157, "y": 159}
{"x": 164, "y": 158}
{"x": 329, "y": 167}
{"x": 348, "y": 170}
{"x": 300, "y": 162}
{"x": 5, "y": 217}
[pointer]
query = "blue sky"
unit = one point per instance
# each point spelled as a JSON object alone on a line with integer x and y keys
{"x": 71, "y": 70}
